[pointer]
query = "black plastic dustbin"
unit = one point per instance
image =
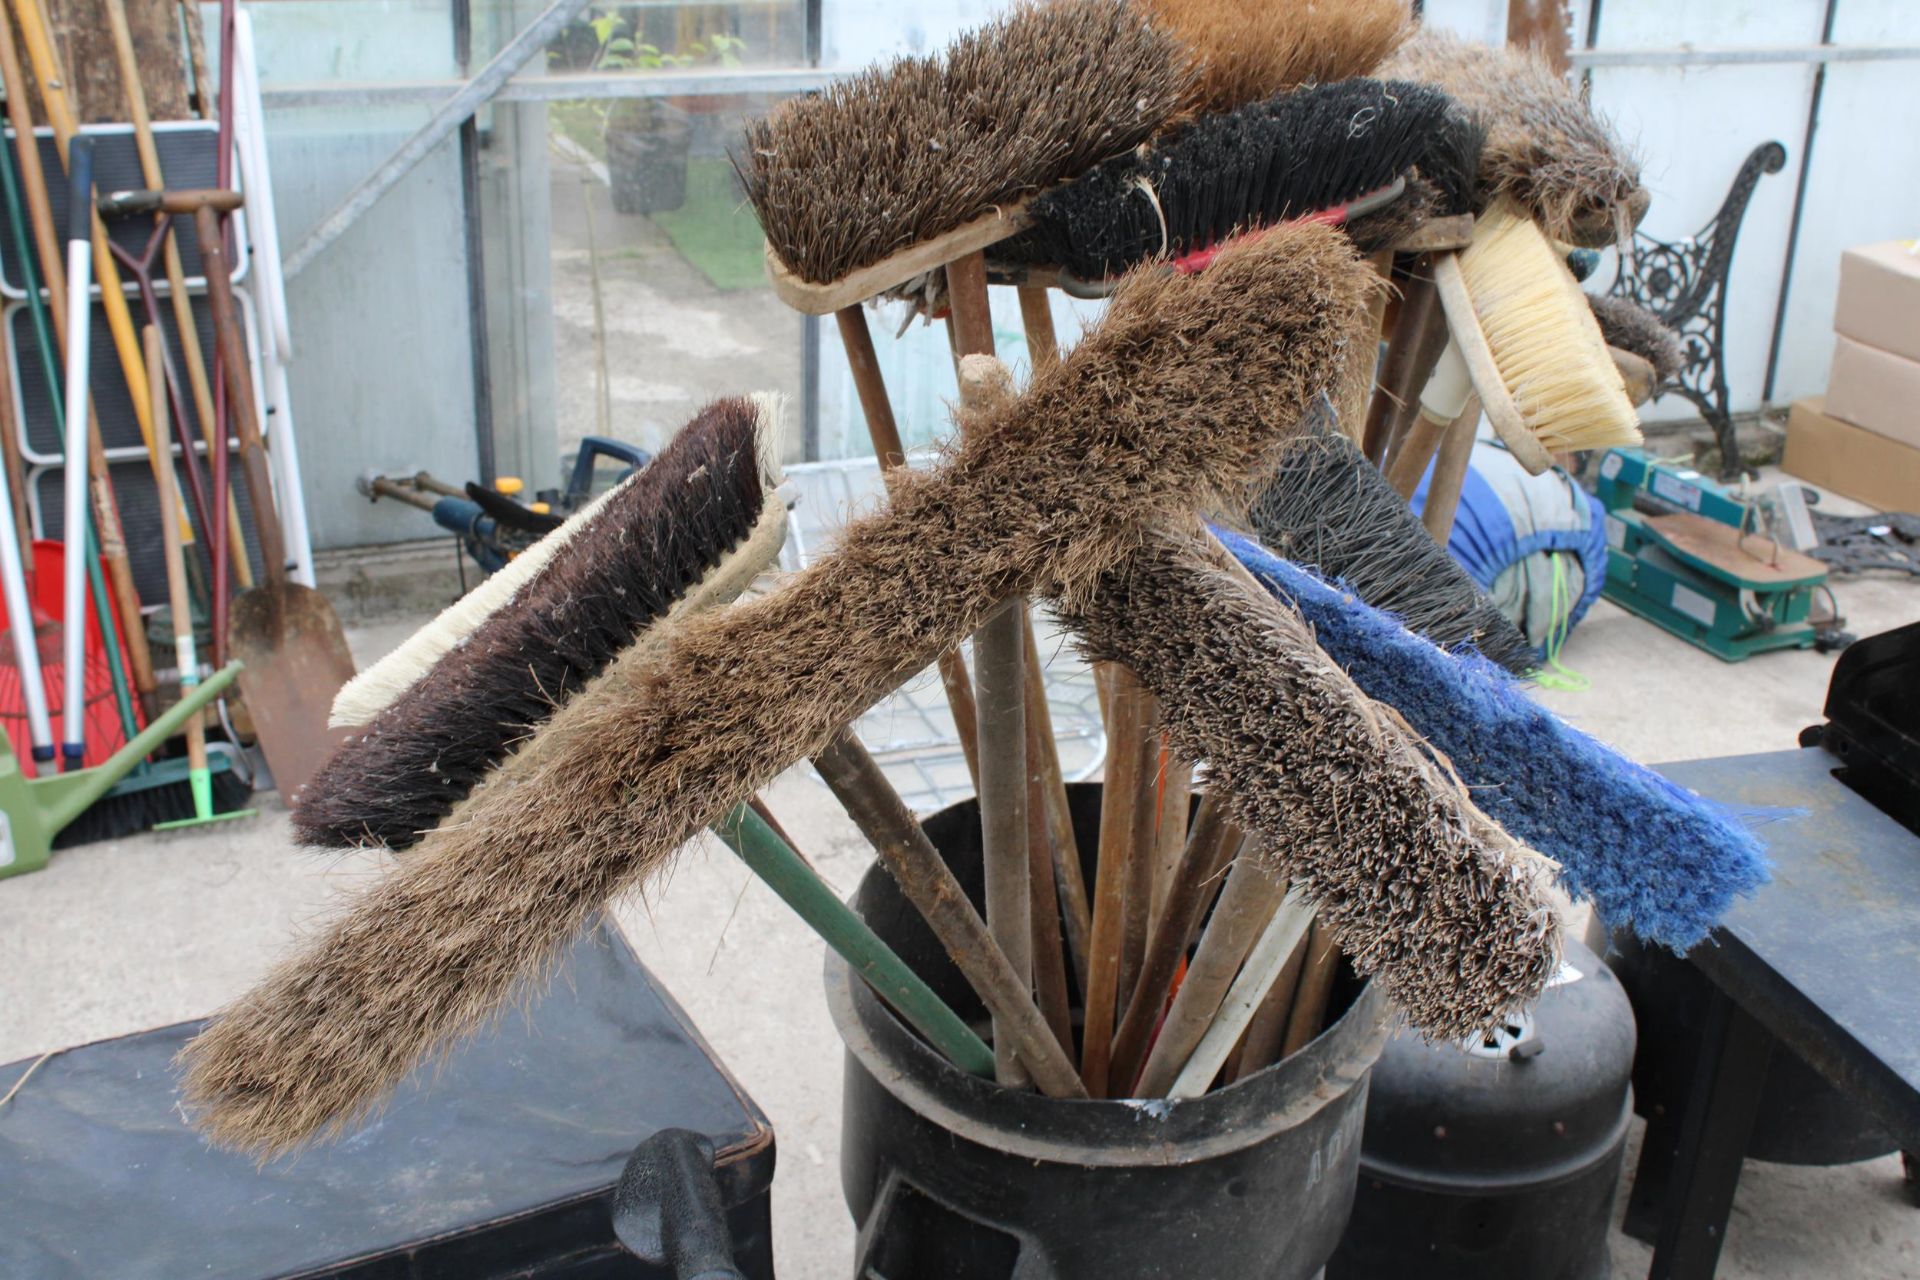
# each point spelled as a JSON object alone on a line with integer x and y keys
{"x": 951, "y": 1177}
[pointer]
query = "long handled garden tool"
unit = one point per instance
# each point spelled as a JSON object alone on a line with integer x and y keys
{"x": 286, "y": 634}
{"x": 105, "y": 516}
{"x": 34, "y": 810}
{"x": 200, "y": 779}
{"x": 232, "y": 544}
{"x": 73, "y": 707}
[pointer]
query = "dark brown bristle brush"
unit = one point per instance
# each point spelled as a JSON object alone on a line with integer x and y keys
{"x": 1420, "y": 888}
{"x": 1628, "y": 326}
{"x": 1546, "y": 148}
{"x": 701, "y": 517}
{"x": 1245, "y": 52}
{"x": 1178, "y": 396}
{"x": 895, "y": 156}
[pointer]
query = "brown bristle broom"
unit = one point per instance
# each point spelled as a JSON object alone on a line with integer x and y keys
{"x": 1420, "y": 888}
{"x": 1165, "y": 406}
{"x": 897, "y": 156}
{"x": 1546, "y": 149}
{"x": 697, "y": 523}
{"x": 675, "y": 540}
{"x": 1246, "y": 52}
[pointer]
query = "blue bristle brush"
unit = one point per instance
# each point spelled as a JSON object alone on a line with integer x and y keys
{"x": 1651, "y": 855}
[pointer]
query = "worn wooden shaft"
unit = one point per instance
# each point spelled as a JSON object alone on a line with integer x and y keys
{"x": 1212, "y": 841}
{"x": 155, "y": 178}
{"x": 1316, "y": 983}
{"x": 1260, "y": 1046}
{"x": 1000, "y": 696}
{"x": 1141, "y": 812}
{"x": 1450, "y": 473}
{"x": 1125, "y": 840}
{"x": 1395, "y": 386}
{"x": 1170, "y": 831}
{"x": 1429, "y": 341}
{"x": 1266, "y": 961}
{"x": 999, "y": 660}
{"x": 877, "y": 409}
{"x": 53, "y": 274}
{"x": 233, "y": 358}
{"x": 179, "y": 599}
{"x": 1416, "y": 449}
{"x": 1036, "y": 317}
{"x": 1043, "y": 759}
{"x": 927, "y": 882}
{"x": 1248, "y": 902}
{"x": 1049, "y": 957}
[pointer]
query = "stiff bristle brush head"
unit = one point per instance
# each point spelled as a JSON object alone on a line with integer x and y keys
{"x": 702, "y": 512}
{"x": 1543, "y": 337}
{"x": 1652, "y": 856}
{"x": 1174, "y": 399}
{"x": 1546, "y": 148}
{"x": 1264, "y": 163}
{"x": 897, "y": 155}
{"x": 1420, "y": 887}
{"x": 1627, "y": 326}
{"x": 1327, "y": 506}
{"x": 1249, "y": 51}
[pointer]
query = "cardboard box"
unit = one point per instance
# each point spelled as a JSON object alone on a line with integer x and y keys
{"x": 1879, "y": 301}
{"x": 1875, "y": 389}
{"x": 1851, "y": 460}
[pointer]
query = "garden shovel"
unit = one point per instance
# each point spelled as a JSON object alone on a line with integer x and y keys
{"x": 286, "y": 635}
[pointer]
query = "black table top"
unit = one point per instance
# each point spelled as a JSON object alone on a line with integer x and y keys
{"x": 1827, "y": 956}
{"x": 100, "y": 1176}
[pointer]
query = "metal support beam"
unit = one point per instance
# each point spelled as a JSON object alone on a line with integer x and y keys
{"x": 475, "y": 94}
{"x": 558, "y": 87}
{"x": 1688, "y": 56}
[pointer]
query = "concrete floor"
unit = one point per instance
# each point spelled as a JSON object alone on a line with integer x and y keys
{"x": 118, "y": 937}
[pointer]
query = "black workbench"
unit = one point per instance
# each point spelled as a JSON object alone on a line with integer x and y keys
{"x": 499, "y": 1163}
{"x": 1824, "y": 962}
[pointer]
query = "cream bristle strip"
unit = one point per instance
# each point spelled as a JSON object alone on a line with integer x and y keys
{"x": 769, "y": 412}
{"x": 1543, "y": 337}
{"x": 375, "y": 689}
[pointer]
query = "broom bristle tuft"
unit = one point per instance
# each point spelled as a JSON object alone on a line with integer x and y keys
{"x": 1246, "y": 52}
{"x": 1544, "y": 338}
{"x": 1421, "y": 889}
{"x": 1627, "y": 325}
{"x": 899, "y": 154}
{"x": 1182, "y": 392}
{"x": 1329, "y": 508}
{"x": 663, "y": 530}
{"x": 1261, "y": 164}
{"x": 1546, "y": 148}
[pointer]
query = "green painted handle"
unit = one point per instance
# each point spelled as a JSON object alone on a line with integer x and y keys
{"x": 800, "y": 887}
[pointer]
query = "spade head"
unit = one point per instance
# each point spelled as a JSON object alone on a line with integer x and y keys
{"x": 296, "y": 660}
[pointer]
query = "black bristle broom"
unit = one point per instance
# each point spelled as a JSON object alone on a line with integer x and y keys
{"x": 1333, "y": 150}
{"x": 702, "y": 515}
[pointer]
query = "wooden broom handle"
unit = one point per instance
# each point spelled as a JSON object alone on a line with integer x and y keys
{"x": 233, "y": 358}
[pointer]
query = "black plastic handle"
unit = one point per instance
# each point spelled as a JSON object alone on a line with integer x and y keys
{"x": 80, "y": 187}
{"x": 667, "y": 1209}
